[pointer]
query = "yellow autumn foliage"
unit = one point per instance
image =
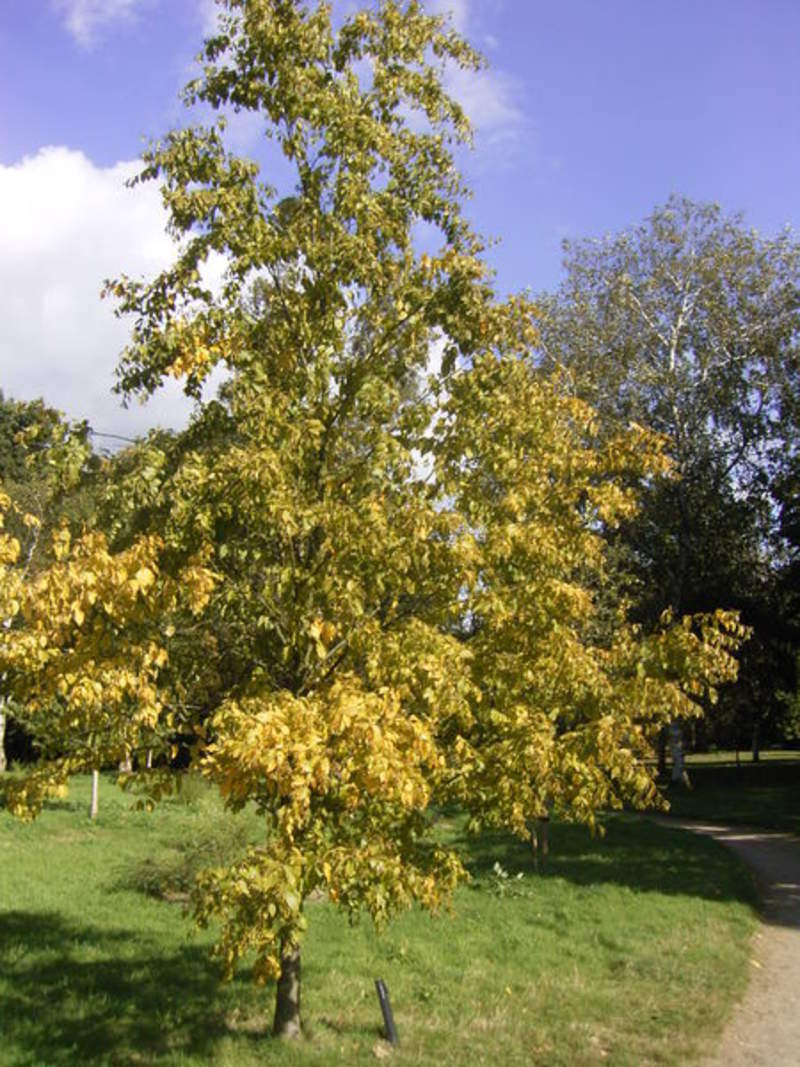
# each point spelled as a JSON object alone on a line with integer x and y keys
{"x": 368, "y": 589}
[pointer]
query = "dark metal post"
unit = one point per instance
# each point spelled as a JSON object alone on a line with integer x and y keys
{"x": 388, "y": 1020}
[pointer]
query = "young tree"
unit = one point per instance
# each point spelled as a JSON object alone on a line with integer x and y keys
{"x": 43, "y": 458}
{"x": 335, "y": 667}
{"x": 348, "y": 579}
{"x": 688, "y": 325}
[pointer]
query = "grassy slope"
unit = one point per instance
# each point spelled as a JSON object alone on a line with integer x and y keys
{"x": 625, "y": 944}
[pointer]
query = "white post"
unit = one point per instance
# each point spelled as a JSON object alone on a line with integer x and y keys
{"x": 95, "y": 789}
{"x": 3, "y": 761}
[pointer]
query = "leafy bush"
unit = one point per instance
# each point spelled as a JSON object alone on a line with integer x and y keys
{"x": 170, "y": 872}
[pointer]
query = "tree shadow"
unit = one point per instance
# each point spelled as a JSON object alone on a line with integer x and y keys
{"x": 633, "y": 852}
{"x": 76, "y": 993}
{"x": 772, "y": 855}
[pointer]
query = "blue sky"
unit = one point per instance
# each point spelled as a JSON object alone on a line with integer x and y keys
{"x": 591, "y": 113}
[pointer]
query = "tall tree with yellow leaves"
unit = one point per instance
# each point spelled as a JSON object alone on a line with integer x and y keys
{"x": 369, "y": 584}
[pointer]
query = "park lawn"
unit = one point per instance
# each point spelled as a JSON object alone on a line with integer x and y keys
{"x": 771, "y": 807}
{"x": 765, "y": 794}
{"x": 632, "y": 949}
{"x": 767, "y": 755}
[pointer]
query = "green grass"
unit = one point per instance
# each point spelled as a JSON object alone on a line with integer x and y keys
{"x": 767, "y": 755}
{"x": 625, "y": 943}
{"x": 770, "y": 807}
{"x": 752, "y": 794}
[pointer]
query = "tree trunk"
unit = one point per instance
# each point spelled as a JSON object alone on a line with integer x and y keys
{"x": 287, "y": 998}
{"x": 756, "y": 742}
{"x": 676, "y": 747}
{"x": 95, "y": 791}
{"x": 3, "y": 761}
{"x": 126, "y": 764}
{"x": 676, "y": 602}
{"x": 540, "y": 843}
{"x": 544, "y": 841}
{"x": 662, "y": 752}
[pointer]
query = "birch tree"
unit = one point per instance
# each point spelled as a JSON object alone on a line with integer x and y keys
{"x": 687, "y": 324}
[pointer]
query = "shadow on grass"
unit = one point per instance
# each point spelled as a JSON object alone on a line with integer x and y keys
{"x": 633, "y": 853}
{"x": 775, "y": 807}
{"x": 72, "y": 993}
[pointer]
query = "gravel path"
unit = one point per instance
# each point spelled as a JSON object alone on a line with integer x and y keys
{"x": 765, "y": 1029}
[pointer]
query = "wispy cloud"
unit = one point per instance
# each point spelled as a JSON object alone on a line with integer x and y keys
{"x": 458, "y": 11}
{"x": 87, "y": 20}
{"x": 489, "y": 96}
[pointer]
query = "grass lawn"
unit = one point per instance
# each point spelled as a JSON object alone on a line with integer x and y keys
{"x": 631, "y": 950}
{"x": 771, "y": 807}
{"x": 768, "y": 755}
{"x": 763, "y": 794}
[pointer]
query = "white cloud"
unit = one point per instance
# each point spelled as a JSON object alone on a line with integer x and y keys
{"x": 458, "y": 10}
{"x": 67, "y": 225}
{"x": 488, "y": 96}
{"x": 86, "y": 19}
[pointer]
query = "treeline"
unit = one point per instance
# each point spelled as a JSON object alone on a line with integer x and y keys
{"x": 686, "y": 325}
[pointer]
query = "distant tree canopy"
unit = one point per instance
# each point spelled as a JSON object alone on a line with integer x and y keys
{"x": 689, "y": 324}
{"x": 46, "y": 465}
{"x": 44, "y": 460}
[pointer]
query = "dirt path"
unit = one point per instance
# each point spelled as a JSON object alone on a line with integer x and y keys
{"x": 765, "y": 1029}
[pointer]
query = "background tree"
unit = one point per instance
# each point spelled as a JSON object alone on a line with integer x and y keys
{"x": 570, "y": 690}
{"x": 44, "y": 460}
{"x": 688, "y": 325}
{"x": 786, "y": 489}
